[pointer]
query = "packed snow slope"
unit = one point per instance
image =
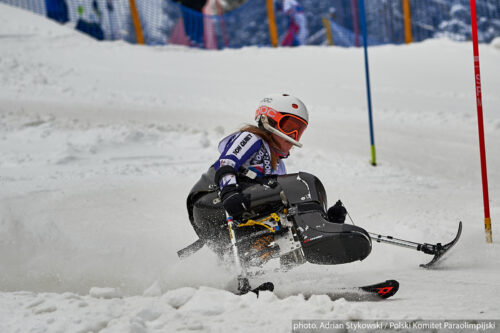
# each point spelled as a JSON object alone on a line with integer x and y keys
{"x": 100, "y": 143}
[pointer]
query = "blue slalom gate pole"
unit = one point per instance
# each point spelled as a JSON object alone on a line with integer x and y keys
{"x": 367, "y": 72}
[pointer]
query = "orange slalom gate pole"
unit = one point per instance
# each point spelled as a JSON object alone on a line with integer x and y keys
{"x": 273, "y": 31}
{"x": 328, "y": 29}
{"x": 479, "y": 103}
{"x": 137, "y": 22}
{"x": 407, "y": 20}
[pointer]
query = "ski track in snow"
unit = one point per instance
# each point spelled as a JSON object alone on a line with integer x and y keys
{"x": 101, "y": 142}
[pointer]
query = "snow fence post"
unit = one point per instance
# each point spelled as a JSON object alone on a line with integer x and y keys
{"x": 480, "y": 123}
{"x": 367, "y": 72}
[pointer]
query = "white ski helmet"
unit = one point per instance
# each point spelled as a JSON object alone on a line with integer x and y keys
{"x": 288, "y": 114}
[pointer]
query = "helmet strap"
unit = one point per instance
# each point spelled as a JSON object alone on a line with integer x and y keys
{"x": 281, "y": 155}
{"x": 267, "y": 126}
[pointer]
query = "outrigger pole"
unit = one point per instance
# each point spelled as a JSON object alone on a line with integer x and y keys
{"x": 243, "y": 283}
{"x": 438, "y": 250}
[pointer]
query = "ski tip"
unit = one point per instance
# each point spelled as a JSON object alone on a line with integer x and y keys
{"x": 390, "y": 289}
{"x": 384, "y": 289}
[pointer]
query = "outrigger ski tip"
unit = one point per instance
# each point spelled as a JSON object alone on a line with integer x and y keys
{"x": 244, "y": 287}
{"x": 439, "y": 250}
{"x": 266, "y": 286}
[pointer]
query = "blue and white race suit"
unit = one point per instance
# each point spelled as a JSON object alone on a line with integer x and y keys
{"x": 245, "y": 150}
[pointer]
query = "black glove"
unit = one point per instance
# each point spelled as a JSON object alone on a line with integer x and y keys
{"x": 337, "y": 213}
{"x": 234, "y": 202}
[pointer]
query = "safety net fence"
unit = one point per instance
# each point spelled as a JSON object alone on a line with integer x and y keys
{"x": 336, "y": 22}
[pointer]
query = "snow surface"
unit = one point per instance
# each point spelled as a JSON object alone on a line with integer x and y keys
{"x": 101, "y": 141}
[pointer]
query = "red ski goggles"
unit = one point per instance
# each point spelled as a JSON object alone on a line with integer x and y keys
{"x": 287, "y": 123}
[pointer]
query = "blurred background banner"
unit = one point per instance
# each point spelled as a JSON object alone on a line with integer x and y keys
{"x": 218, "y": 24}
